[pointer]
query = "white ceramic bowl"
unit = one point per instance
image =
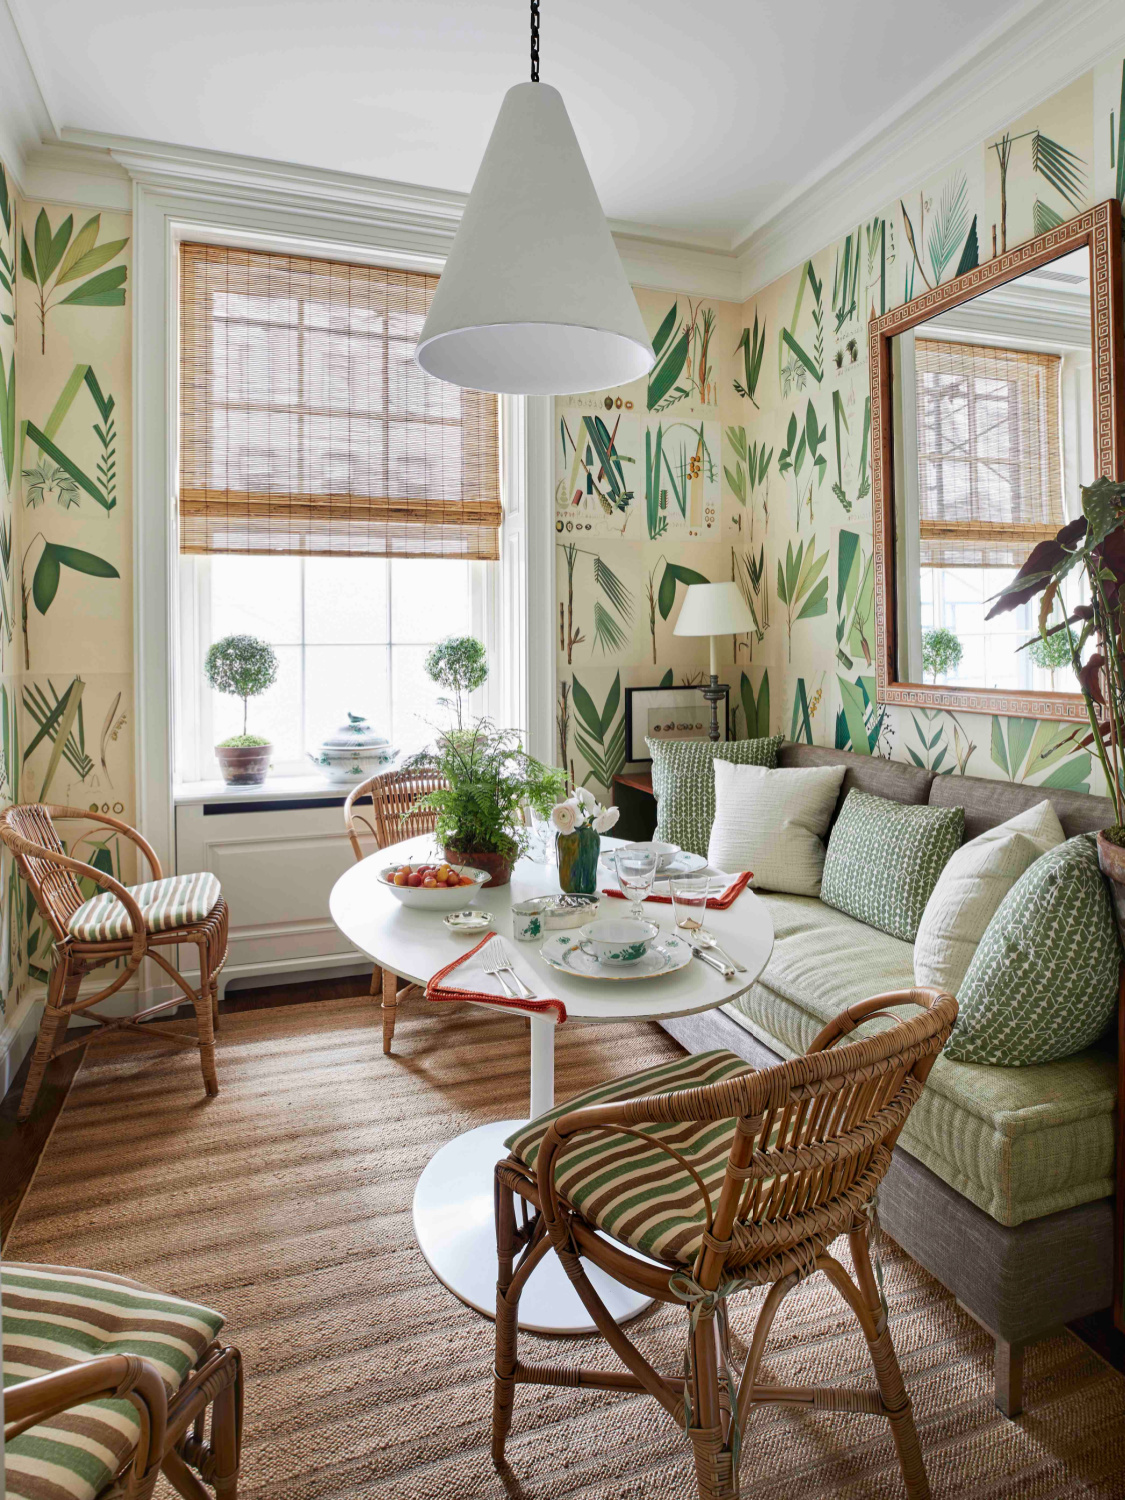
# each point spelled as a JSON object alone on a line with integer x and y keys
{"x": 438, "y": 898}
{"x": 618, "y": 940}
{"x": 665, "y": 853}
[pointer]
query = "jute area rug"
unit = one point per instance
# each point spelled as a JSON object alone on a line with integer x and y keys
{"x": 285, "y": 1202}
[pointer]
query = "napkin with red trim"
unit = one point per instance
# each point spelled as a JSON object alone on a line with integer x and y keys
{"x": 470, "y": 982}
{"x": 715, "y": 903}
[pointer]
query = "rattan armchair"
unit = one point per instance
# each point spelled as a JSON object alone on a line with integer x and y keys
{"x": 173, "y": 1437}
{"x": 394, "y": 816}
{"x": 743, "y": 1182}
{"x": 52, "y": 875}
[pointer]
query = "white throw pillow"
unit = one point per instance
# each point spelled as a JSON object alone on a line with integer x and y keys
{"x": 970, "y": 889}
{"x": 773, "y": 823}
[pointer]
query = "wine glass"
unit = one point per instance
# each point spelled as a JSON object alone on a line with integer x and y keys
{"x": 636, "y": 870}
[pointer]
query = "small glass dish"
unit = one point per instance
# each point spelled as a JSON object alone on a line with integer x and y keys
{"x": 469, "y": 922}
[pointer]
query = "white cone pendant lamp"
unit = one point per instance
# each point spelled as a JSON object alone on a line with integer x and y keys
{"x": 533, "y": 299}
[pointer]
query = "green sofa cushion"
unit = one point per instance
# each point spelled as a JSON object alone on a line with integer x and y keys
{"x": 1017, "y": 1142}
{"x": 1043, "y": 982}
{"x": 884, "y": 859}
{"x": 683, "y": 783}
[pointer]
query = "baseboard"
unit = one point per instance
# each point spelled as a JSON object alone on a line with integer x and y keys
{"x": 17, "y": 1041}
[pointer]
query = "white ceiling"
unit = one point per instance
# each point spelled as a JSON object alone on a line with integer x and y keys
{"x": 697, "y": 117}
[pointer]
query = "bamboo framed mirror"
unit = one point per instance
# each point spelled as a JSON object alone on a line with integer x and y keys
{"x": 993, "y": 399}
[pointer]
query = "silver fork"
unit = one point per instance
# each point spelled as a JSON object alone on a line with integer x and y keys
{"x": 496, "y": 963}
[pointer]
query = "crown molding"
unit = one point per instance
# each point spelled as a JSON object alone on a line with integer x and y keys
{"x": 25, "y": 119}
{"x": 1035, "y": 51}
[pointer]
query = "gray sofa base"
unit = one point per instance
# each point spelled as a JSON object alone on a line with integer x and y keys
{"x": 1021, "y": 1284}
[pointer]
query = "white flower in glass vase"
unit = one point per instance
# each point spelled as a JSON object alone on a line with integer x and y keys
{"x": 565, "y": 816}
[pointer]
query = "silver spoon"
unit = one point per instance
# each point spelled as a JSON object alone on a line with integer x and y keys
{"x": 703, "y": 939}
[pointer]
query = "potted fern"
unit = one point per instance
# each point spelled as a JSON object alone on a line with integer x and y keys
{"x": 243, "y": 666}
{"x": 486, "y": 773}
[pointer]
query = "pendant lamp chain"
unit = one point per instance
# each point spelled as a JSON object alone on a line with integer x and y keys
{"x": 535, "y": 41}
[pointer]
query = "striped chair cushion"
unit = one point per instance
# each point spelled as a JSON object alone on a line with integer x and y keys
{"x": 177, "y": 901}
{"x": 55, "y": 1317}
{"x": 634, "y": 1192}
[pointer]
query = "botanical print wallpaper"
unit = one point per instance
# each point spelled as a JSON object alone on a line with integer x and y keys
{"x": 66, "y": 647}
{"x": 774, "y": 396}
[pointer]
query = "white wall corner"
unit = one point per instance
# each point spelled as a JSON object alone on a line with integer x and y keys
{"x": 25, "y": 120}
{"x": 1034, "y": 51}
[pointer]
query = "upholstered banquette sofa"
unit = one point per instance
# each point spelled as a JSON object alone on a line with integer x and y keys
{"x": 1002, "y": 1182}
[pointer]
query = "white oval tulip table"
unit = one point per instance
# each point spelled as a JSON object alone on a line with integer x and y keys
{"x": 453, "y": 1201}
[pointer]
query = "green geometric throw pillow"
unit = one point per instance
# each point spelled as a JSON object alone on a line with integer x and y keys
{"x": 1043, "y": 982}
{"x": 884, "y": 859}
{"x": 683, "y": 782}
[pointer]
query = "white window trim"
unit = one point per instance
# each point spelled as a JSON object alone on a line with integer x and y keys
{"x": 403, "y": 237}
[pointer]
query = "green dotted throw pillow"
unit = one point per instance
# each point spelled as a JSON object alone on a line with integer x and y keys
{"x": 683, "y": 781}
{"x": 884, "y": 859}
{"x": 1043, "y": 982}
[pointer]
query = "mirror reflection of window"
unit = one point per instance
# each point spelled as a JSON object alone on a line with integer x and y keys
{"x": 993, "y": 417}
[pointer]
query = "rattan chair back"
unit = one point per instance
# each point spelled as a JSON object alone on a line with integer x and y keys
{"x": 394, "y": 812}
{"x": 29, "y": 832}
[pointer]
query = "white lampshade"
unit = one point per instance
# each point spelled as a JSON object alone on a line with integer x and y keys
{"x": 533, "y": 299}
{"x": 713, "y": 609}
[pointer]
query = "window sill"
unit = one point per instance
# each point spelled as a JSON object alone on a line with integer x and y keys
{"x": 273, "y": 789}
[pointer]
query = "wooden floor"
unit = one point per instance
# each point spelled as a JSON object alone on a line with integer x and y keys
{"x": 22, "y": 1145}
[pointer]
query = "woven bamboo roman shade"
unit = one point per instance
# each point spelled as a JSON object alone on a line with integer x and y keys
{"x": 307, "y": 427}
{"x": 989, "y": 457}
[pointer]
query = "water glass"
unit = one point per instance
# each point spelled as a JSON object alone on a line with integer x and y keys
{"x": 636, "y": 870}
{"x": 689, "y": 902}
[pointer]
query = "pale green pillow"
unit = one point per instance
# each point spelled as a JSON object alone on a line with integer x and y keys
{"x": 884, "y": 859}
{"x": 970, "y": 889}
{"x": 1043, "y": 983}
{"x": 683, "y": 782}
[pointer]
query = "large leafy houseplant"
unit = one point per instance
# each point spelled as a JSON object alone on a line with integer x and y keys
{"x": 1091, "y": 547}
{"x": 487, "y": 775}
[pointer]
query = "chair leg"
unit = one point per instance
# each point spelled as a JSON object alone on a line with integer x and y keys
{"x": 376, "y": 988}
{"x": 205, "y": 1023}
{"x": 899, "y": 1411}
{"x": 390, "y": 1008}
{"x": 62, "y": 991}
{"x": 714, "y": 1467}
{"x": 225, "y": 1424}
{"x": 507, "y": 1325}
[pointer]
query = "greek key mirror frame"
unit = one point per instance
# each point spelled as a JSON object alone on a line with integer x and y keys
{"x": 1100, "y": 229}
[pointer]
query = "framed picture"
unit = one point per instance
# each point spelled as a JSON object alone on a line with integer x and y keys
{"x": 675, "y": 713}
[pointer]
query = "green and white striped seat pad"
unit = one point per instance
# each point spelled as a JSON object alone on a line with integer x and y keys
{"x": 177, "y": 901}
{"x": 56, "y": 1317}
{"x": 637, "y": 1193}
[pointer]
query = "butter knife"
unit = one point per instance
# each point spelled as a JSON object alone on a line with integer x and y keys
{"x": 714, "y": 963}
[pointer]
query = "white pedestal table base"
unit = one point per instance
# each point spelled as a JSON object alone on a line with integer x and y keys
{"x": 455, "y": 1226}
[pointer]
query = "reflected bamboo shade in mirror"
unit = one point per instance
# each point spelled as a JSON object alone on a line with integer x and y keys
{"x": 306, "y": 427}
{"x": 989, "y": 459}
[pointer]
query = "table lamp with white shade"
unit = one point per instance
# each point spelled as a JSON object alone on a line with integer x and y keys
{"x": 714, "y": 609}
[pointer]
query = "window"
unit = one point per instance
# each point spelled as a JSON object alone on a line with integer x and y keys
{"x": 351, "y": 635}
{"x": 333, "y": 500}
{"x": 990, "y": 487}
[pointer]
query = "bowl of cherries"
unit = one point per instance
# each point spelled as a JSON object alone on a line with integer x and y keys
{"x": 433, "y": 886}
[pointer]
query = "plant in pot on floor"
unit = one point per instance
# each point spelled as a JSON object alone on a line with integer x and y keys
{"x": 243, "y": 666}
{"x": 1092, "y": 548}
{"x": 487, "y": 774}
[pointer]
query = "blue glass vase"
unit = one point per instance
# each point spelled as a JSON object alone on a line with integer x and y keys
{"x": 578, "y": 860}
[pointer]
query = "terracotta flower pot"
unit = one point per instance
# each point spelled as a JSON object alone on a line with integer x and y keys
{"x": 499, "y": 866}
{"x": 244, "y": 765}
